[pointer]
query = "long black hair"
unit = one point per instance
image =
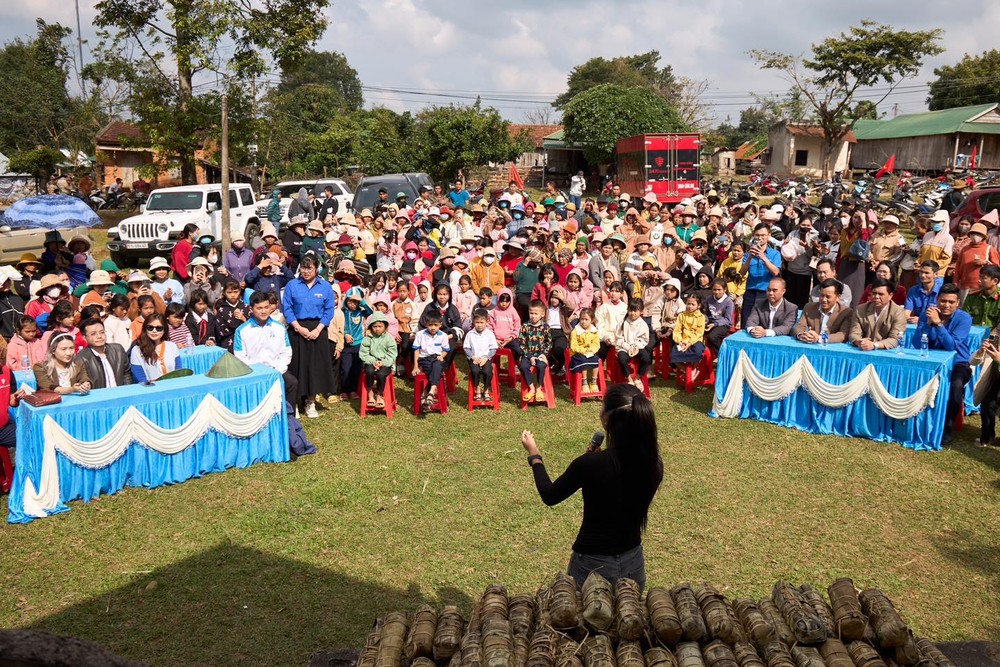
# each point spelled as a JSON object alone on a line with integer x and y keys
{"x": 631, "y": 428}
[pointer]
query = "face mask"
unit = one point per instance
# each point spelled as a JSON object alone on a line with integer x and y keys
{"x": 411, "y": 255}
{"x": 669, "y": 240}
{"x": 468, "y": 246}
{"x": 488, "y": 259}
{"x": 937, "y": 227}
{"x": 448, "y": 261}
{"x": 976, "y": 238}
{"x": 964, "y": 229}
{"x": 518, "y": 216}
{"x": 53, "y": 292}
{"x": 346, "y": 249}
{"x": 238, "y": 245}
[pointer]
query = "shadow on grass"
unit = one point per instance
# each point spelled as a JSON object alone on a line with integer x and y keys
{"x": 237, "y": 605}
{"x": 979, "y": 557}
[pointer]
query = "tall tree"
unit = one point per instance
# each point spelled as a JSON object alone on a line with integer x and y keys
{"x": 972, "y": 80}
{"x": 599, "y": 117}
{"x": 378, "y": 141}
{"x": 638, "y": 70}
{"x": 454, "y": 138}
{"x": 36, "y": 106}
{"x": 840, "y": 66}
{"x": 158, "y": 47}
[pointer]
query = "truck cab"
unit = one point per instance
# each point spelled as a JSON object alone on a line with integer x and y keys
{"x": 154, "y": 232}
{"x": 668, "y": 165}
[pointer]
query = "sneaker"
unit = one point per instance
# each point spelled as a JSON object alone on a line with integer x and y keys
{"x": 593, "y": 388}
{"x": 311, "y": 410}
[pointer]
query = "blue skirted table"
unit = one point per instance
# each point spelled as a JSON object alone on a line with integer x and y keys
{"x": 976, "y": 337}
{"x": 147, "y": 436}
{"x": 838, "y": 389}
{"x": 199, "y": 358}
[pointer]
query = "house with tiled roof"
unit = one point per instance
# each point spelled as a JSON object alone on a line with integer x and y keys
{"x": 931, "y": 141}
{"x": 536, "y": 134}
{"x": 122, "y": 150}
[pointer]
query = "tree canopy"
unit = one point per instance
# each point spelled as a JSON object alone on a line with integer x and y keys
{"x": 600, "y": 116}
{"x": 157, "y": 47}
{"x": 840, "y": 66}
{"x": 972, "y": 80}
{"x": 640, "y": 70}
{"x": 36, "y": 107}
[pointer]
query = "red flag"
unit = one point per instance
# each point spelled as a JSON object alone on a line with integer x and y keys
{"x": 972, "y": 160}
{"x": 888, "y": 167}
{"x": 516, "y": 177}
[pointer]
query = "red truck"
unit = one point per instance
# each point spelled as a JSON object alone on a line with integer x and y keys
{"x": 668, "y": 165}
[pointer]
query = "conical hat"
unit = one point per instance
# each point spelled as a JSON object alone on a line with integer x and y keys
{"x": 228, "y": 366}
{"x": 173, "y": 375}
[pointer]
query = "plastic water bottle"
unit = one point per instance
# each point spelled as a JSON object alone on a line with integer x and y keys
{"x": 25, "y": 363}
{"x": 824, "y": 338}
{"x": 923, "y": 345}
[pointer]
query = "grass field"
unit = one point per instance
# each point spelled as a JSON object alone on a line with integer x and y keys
{"x": 264, "y": 566}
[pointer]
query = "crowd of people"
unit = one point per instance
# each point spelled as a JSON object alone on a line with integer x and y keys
{"x": 561, "y": 285}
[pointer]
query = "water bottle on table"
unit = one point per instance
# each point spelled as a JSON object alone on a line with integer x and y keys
{"x": 824, "y": 337}
{"x": 900, "y": 337}
{"x": 923, "y": 345}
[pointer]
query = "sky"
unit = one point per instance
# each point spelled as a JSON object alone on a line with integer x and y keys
{"x": 517, "y": 54}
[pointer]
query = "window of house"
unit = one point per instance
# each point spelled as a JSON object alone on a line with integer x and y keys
{"x": 801, "y": 158}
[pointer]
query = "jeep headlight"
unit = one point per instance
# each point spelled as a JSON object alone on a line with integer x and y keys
{"x": 163, "y": 228}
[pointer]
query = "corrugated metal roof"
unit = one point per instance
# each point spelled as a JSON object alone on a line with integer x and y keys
{"x": 813, "y": 131}
{"x": 748, "y": 150}
{"x": 555, "y": 141}
{"x": 946, "y": 121}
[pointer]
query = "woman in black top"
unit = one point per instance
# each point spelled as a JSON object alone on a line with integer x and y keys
{"x": 618, "y": 484}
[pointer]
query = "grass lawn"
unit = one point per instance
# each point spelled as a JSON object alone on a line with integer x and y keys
{"x": 265, "y": 566}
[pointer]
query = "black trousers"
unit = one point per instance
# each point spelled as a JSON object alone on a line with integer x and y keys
{"x": 433, "y": 368}
{"x": 376, "y": 378}
{"x": 405, "y": 345}
{"x": 521, "y": 303}
{"x": 536, "y": 375}
{"x": 515, "y": 347}
{"x": 988, "y": 412}
{"x": 797, "y": 288}
{"x": 960, "y": 376}
{"x": 645, "y": 358}
{"x": 715, "y": 336}
{"x": 350, "y": 368}
{"x": 557, "y": 353}
{"x": 482, "y": 374}
{"x": 9, "y": 432}
{"x": 602, "y": 352}
{"x": 291, "y": 390}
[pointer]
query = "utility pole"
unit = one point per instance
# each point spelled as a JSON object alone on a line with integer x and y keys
{"x": 79, "y": 46}
{"x": 226, "y": 234}
{"x": 254, "y": 181}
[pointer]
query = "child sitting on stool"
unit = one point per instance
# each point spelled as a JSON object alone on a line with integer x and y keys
{"x": 430, "y": 348}
{"x": 535, "y": 342}
{"x": 480, "y": 345}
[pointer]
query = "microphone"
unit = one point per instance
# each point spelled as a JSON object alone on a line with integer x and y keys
{"x": 596, "y": 441}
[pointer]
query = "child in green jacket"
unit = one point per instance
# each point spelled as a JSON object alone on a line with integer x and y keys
{"x": 378, "y": 354}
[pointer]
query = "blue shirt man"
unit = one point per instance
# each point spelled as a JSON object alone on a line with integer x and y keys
{"x": 947, "y": 328}
{"x": 924, "y": 293}
{"x": 458, "y": 195}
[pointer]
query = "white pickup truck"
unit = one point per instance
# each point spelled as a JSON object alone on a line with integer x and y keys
{"x": 154, "y": 232}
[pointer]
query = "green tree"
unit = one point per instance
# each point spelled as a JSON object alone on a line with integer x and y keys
{"x": 453, "y": 138}
{"x": 158, "y": 47}
{"x": 36, "y": 106}
{"x": 599, "y": 117}
{"x": 320, "y": 89}
{"x": 972, "y": 80}
{"x": 839, "y": 66}
{"x": 640, "y": 70}
{"x": 39, "y": 162}
{"x": 378, "y": 141}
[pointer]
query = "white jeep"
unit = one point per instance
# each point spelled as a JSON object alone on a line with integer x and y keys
{"x": 289, "y": 189}
{"x": 154, "y": 232}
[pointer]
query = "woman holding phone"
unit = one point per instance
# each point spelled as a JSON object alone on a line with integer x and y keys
{"x": 618, "y": 484}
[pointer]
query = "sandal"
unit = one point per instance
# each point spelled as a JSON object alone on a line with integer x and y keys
{"x": 380, "y": 402}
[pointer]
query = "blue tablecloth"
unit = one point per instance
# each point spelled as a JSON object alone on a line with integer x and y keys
{"x": 169, "y": 405}
{"x": 200, "y": 357}
{"x": 837, "y": 364}
{"x": 976, "y": 337}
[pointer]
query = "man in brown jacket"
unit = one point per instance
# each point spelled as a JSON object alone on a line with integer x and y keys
{"x": 880, "y": 323}
{"x": 825, "y": 315}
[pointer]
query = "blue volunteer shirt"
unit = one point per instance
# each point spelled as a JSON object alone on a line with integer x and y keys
{"x": 302, "y": 302}
{"x": 758, "y": 275}
{"x": 951, "y": 336}
{"x": 459, "y": 198}
{"x": 917, "y": 299}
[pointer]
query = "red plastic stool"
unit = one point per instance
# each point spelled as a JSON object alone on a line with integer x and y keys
{"x": 661, "y": 359}
{"x": 510, "y": 375}
{"x": 576, "y": 382}
{"x": 450, "y": 378}
{"x": 550, "y": 394}
{"x": 389, "y": 394}
{"x": 618, "y": 376}
{"x": 6, "y": 470}
{"x": 960, "y": 419}
{"x": 494, "y": 401}
{"x": 419, "y": 384}
{"x": 706, "y": 373}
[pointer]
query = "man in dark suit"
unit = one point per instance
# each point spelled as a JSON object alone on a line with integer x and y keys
{"x": 880, "y": 323}
{"x": 107, "y": 363}
{"x": 825, "y": 315}
{"x": 772, "y": 316}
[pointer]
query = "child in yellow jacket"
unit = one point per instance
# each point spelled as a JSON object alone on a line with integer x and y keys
{"x": 584, "y": 343}
{"x": 689, "y": 333}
